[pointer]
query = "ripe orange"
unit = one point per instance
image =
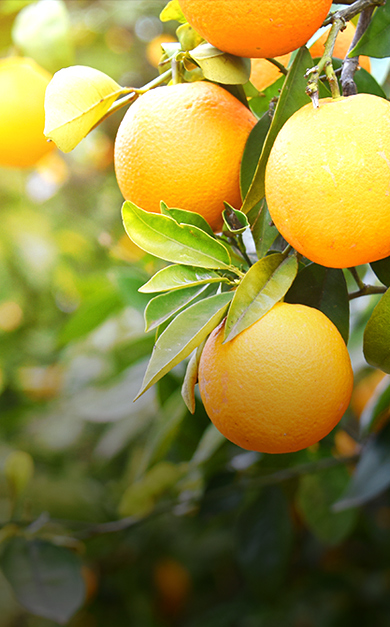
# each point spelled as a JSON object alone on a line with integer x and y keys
{"x": 252, "y": 28}
{"x": 154, "y": 51}
{"x": 173, "y": 585}
{"x": 22, "y": 118}
{"x": 279, "y": 386}
{"x": 183, "y": 144}
{"x": 328, "y": 181}
{"x": 343, "y": 41}
{"x": 264, "y": 73}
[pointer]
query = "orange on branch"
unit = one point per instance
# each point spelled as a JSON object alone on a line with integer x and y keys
{"x": 22, "y": 118}
{"x": 279, "y": 386}
{"x": 251, "y": 28}
{"x": 183, "y": 145}
{"x": 328, "y": 181}
{"x": 154, "y": 50}
{"x": 264, "y": 73}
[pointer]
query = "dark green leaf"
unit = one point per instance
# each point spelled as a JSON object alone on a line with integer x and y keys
{"x": 186, "y": 331}
{"x": 376, "y": 40}
{"x": 163, "y": 237}
{"x": 265, "y": 283}
{"x": 264, "y": 232}
{"x": 162, "y": 307}
{"x": 95, "y": 309}
{"x": 315, "y": 496}
{"x": 376, "y": 339}
{"x": 187, "y": 217}
{"x": 176, "y": 277}
{"x": 365, "y": 82}
{"x": 252, "y": 152}
{"x": 264, "y": 538}
{"x": 260, "y": 104}
{"x": 221, "y": 67}
{"x": 372, "y": 475}
{"x": 292, "y": 98}
{"x": 235, "y": 221}
{"x": 382, "y": 270}
{"x": 326, "y": 290}
{"x": 46, "y": 578}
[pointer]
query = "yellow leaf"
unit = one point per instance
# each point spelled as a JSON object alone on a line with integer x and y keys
{"x": 76, "y": 99}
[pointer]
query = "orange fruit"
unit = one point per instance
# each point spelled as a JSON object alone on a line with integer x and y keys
{"x": 183, "y": 144}
{"x": 328, "y": 181}
{"x": 173, "y": 585}
{"x": 154, "y": 51}
{"x": 22, "y": 118}
{"x": 252, "y": 28}
{"x": 279, "y": 386}
{"x": 343, "y": 41}
{"x": 364, "y": 390}
{"x": 264, "y": 73}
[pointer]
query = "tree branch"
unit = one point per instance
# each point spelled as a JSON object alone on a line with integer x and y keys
{"x": 350, "y": 64}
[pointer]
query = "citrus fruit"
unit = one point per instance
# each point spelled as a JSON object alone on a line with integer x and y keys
{"x": 264, "y": 73}
{"x": 183, "y": 144}
{"x": 327, "y": 181}
{"x": 343, "y": 41}
{"x": 268, "y": 28}
{"x": 364, "y": 390}
{"x": 154, "y": 51}
{"x": 22, "y": 118}
{"x": 279, "y": 386}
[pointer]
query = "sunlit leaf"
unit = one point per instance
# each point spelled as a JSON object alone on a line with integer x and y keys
{"x": 264, "y": 232}
{"x": 162, "y": 307}
{"x": 292, "y": 98}
{"x": 46, "y": 579}
{"x": 376, "y": 339}
{"x": 76, "y": 99}
{"x": 252, "y": 152}
{"x": 43, "y": 31}
{"x": 234, "y": 220}
{"x": 187, "y": 217}
{"x": 372, "y": 474}
{"x": 264, "y": 284}
{"x": 163, "y": 237}
{"x": 186, "y": 331}
{"x": 376, "y": 39}
{"x": 177, "y": 276}
{"x": 221, "y": 67}
{"x": 316, "y": 494}
{"x": 326, "y": 290}
{"x": 172, "y": 11}
{"x": 191, "y": 379}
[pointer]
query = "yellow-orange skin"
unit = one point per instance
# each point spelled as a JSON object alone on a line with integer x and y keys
{"x": 256, "y": 28}
{"x": 22, "y": 117}
{"x": 343, "y": 41}
{"x": 279, "y": 386}
{"x": 183, "y": 145}
{"x": 328, "y": 181}
{"x": 264, "y": 73}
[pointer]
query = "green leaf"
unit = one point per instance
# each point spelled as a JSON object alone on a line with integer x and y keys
{"x": 172, "y": 11}
{"x": 365, "y": 82}
{"x": 260, "y": 105}
{"x": 210, "y": 442}
{"x": 265, "y": 283}
{"x": 264, "y": 232}
{"x": 372, "y": 474}
{"x": 252, "y": 152}
{"x": 92, "y": 312}
{"x": 235, "y": 221}
{"x": 43, "y": 31}
{"x": 76, "y": 99}
{"x": 163, "y": 237}
{"x": 316, "y": 494}
{"x": 129, "y": 282}
{"x": 140, "y": 498}
{"x": 376, "y": 40}
{"x": 46, "y": 578}
{"x": 376, "y": 339}
{"x": 186, "y": 331}
{"x": 187, "y": 217}
{"x": 377, "y": 407}
{"x": 191, "y": 379}
{"x": 221, "y": 67}
{"x": 164, "y": 306}
{"x": 382, "y": 270}
{"x": 176, "y": 277}
{"x": 264, "y": 539}
{"x": 292, "y": 98}
{"x": 326, "y": 290}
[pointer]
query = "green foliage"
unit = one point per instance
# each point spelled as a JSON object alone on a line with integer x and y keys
{"x": 376, "y": 335}
{"x": 375, "y": 41}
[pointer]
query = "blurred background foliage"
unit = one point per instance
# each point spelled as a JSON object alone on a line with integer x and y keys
{"x": 122, "y": 513}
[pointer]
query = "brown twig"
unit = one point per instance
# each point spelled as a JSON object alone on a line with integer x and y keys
{"x": 350, "y": 64}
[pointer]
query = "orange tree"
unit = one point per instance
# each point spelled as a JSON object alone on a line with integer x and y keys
{"x": 253, "y": 292}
